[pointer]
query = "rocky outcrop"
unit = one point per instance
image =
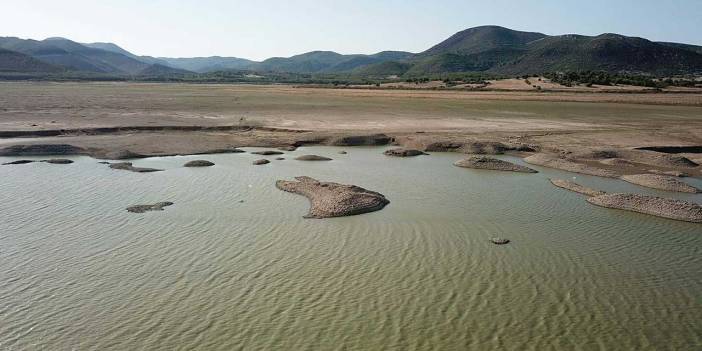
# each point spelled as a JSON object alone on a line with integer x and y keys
{"x": 483, "y": 162}
{"x": 402, "y": 152}
{"x": 312, "y": 158}
{"x": 618, "y": 162}
{"x": 18, "y": 162}
{"x": 268, "y": 152}
{"x": 572, "y": 186}
{"x": 499, "y": 241}
{"x": 144, "y": 208}
{"x": 288, "y": 148}
{"x": 58, "y": 161}
{"x": 669, "y": 173}
{"x": 42, "y": 150}
{"x": 329, "y": 199}
{"x": 661, "y": 182}
{"x": 562, "y": 164}
{"x": 127, "y": 166}
{"x": 360, "y": 140}
{"x": 199, "y": 163}
{"x": 261, "y": 162}
{"x": 655, "y": 206}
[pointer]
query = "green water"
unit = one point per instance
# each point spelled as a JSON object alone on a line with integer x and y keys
{"x": 78, "y": 272}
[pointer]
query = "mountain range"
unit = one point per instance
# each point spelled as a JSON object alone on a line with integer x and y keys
{"x": 486, "y": 49}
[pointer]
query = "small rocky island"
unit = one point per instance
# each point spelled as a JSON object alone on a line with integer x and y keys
{"x": 661, "y": 182}
{"x": 312, "y": 158}
{"x": 402, "y": 152}
{"x": 144, "y": 208}
{"x": 484, "y": 162}
{"x": 329, "y": 199}
{"x": 199, "y": 163}
{"x": 655, "y": 206}
{"x": 573, "y": 186}
{"x": 127, "y": 166}
{"x": 267, "y": 152}
{"x": 262, "y": 161}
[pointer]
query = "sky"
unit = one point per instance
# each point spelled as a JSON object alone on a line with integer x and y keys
{"x": 267, "y": 28}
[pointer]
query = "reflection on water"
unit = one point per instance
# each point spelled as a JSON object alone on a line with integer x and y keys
{"x": 233, "y": 265}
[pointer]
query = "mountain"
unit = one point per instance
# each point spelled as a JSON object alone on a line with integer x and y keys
{"x": 208, "y": 64}
{"x": 73, "y": 56}
{"x": 503, "y": 51}
{"x": 11, "y": 61}
{"x": 117, "y": 49}
{"x": 491, "y": 50}
{"x": 482, "y": 39}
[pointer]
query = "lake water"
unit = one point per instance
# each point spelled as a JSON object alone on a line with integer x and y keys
{"x": 234, "y": 266}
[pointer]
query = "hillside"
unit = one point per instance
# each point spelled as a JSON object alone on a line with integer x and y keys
{"x": 208, "y": 64}
{"x": 11, "y": 61}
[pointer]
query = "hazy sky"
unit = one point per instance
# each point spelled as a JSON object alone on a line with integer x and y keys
{"x": 263, "y": 28}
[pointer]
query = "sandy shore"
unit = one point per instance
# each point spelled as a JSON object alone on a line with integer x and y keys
{"x": 576, "y": 132}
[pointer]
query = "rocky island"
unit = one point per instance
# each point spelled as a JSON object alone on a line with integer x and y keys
{"x": 329, "y": 199}
{"x": 661, "y": 182}
{"x": 655, "y": 206}
{"x": 483, "y": 162}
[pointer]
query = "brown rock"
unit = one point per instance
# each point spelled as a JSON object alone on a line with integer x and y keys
{"x": 572, "y": 186}
{"x": 268, "y": 152}
{"x": 312, "y": 158}
{"x": 199, "y": 163}
{"x": 332, "y": 199}
{"x": 662, "y": 182}
{"x": 127, "y": 166}
{"x": 261, "y": 162}
{"x": 483, "y": 162}
{"x": 562, "y": 164}
{"x": 402, "y": 152}
{"x": 655, "y": 206}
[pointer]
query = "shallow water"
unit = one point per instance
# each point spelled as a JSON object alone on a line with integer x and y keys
{"x": 213, "y": 273}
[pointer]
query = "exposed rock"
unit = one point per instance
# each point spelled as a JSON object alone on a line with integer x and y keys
{"x": 18, "y": 162}
{"x": 600, "y": 154}
{"x": 343, "y": 152}
{"x": 499, "y": 241}
{"x": 666, "y": 160}
{"x": 618, "y": 162}
{"x": 312, "y": 158}
{"x": 656, "y": 206}
{"x": 268, "y": 152}
{"x": 332, "y": 199}
{"x": 483, "y": 162}
{"x": 669, "y": 173}
{"x": 58, "y": 161}
{"x": 402, "y": 152}
{"x": 224, "y": 151}
{"x": 288, "y": 148}
{"x": 127, "y": 166}
{"x": 199, "y": 163}
{"x": 280, "y": 158}
{"x": 559, "y": 163}
{"x": 662, "y": 182}
{"x": 359, "y": 140}
{"x": 121, "y": 155}
{"x": 261, "y": 162}
{"x": 572, "y": 186}
{"x": 42, "y": 150}
{"x": 144, "y": 208}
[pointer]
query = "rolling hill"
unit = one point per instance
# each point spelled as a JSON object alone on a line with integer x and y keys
{"x": 487, "y": 49}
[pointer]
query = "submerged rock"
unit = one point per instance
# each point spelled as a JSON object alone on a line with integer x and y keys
{"x": 662, "y": 182}
{"x": 280, "y": 158}
{"x": 572, "y": 186}
{"x": 288, "y": 148}
{"x": 199, "y": 163}
{"x": 329, "y": 199}
{"x": 402, "y": 152}
{"x": 651, "y": 205}
{"x": 483, "y": 162}
{"x": 144, "y": 208}
{"x": 499, "y": 241}
{"x": 562, "y": 164}
{"x": 58, "y": 161}
{"x": 127, "y": 166}
{"x": 342, "y": 152}
{"x": 267, "y": 152}
{"x": 18, "y": 162}
{"x": 312, "y": 158}
{"x": 261, "y": 162}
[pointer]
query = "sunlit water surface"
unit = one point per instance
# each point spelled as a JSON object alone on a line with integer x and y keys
{"x": 234, "y": 266}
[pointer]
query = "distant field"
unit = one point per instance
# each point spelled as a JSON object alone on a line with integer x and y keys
{"x": 79, "y": 105}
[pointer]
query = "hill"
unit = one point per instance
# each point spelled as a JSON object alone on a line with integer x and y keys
{"x": 11, "y": 61}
